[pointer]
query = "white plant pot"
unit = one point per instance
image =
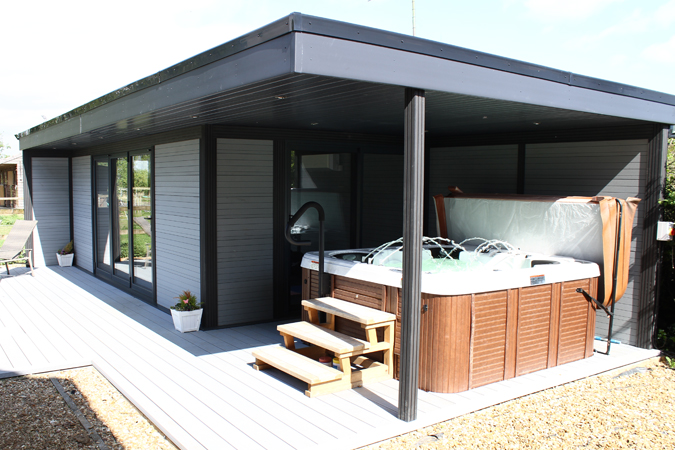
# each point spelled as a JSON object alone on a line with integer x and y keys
{"x": 185, "y": 321}
{"x": 65, "y": 260}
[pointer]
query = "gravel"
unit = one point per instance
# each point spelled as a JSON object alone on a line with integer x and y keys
{"x": 631, "y": 407}
{"x": 33, "y": 415}
{"x": 626, "y": 408}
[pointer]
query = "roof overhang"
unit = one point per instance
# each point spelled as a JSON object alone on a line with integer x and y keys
{"x": 304, "y": 72}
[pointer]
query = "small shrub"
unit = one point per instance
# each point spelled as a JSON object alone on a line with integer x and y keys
{"x": 187, "y": 301}
{"x": 68, "y": 249}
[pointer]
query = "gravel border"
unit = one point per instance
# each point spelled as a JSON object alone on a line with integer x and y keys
{"x": 630, "y": 407}
{"x": 35, "y": 415}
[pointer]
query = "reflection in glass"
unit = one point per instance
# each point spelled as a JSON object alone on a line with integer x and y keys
{"x": 142, "y": 218}
{"x": 102, "y": 217}
{"x": 121, "y": 213}
{"x": 324, "y": 178}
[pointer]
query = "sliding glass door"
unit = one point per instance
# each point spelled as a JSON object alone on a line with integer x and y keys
{"x": 123, "y": 190}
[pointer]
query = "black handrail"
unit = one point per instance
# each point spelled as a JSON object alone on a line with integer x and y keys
{"x": 322, "y": 217}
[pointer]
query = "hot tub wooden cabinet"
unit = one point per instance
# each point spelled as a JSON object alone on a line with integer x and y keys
{"x": 475, "y": 339}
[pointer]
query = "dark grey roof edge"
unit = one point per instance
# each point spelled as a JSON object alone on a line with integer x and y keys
{"x": 347, "y": 31}
{"x": 342, "y": 30}
{"x": 266, "y": 33}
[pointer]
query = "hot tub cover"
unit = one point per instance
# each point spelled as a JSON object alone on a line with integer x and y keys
{"x": 584, "y": 228}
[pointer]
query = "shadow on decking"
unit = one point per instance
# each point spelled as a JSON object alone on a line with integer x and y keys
{"x": 200, "y": 343}
{"x": 14, "y": 271}
{"x": 368, "y": 392}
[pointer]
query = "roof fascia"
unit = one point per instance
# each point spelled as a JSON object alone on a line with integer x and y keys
{"x": 264, "y": 61}
{"x": 321, "y": 55}
{"x": 254, "y": 38}
{"x": 368, "y": 35}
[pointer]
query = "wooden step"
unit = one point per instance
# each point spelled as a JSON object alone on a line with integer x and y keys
{"x": 348, "y": 310}
{"x": 334, "y": 341}
{"x": 299, "y": 366}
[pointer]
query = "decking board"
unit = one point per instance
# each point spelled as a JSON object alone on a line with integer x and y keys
{"x": 165, "y": 370}
{"x": 229, "y": 405}
{"x": 251, "y": 395}
{"x": 49, "y": 342}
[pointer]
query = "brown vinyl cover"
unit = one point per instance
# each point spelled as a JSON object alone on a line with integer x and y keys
{"x": 609, "y": 211}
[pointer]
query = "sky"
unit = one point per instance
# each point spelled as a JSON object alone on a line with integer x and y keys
{"x": 58, "y": 55}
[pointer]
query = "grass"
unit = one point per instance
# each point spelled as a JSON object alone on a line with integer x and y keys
{"x": 6, "y": 224}
{"x": 140, "y": 250}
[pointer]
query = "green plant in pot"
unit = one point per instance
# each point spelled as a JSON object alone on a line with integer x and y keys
{"x": 187, "y": 313}
{"x": 66, "y": 255}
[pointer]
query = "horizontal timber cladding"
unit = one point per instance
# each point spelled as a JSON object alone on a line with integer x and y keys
{"x": 51, "y": 208}
{"x": 382, "y": 213}
{"x": 612, "y": 168}
{"x": 176, "y": 216}
{"x": 359, "y": 292}
{"x": 82, "y": 207}
{"x": 475, "y": 170}
{"x": 244, "y": 196}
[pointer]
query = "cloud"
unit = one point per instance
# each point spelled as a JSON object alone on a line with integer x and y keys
{"x": 663, "y": 52}
{"x": 570, "y": 9}
{"x": 665, "y": 14}
{"x": 636, "y": 22}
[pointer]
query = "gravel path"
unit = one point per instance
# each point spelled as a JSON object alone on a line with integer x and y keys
{"x": 631, "y": 408}
{"x": 627, "y": 408}
{"x": 33, "y": 415}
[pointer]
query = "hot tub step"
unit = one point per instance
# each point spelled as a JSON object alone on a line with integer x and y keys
{"x": 348, "y": 310}
{"x": 301, "y": 367}
{"x": 334, "y": 341}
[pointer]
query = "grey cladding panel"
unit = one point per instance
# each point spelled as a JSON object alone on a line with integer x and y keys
{"x": 176, "y": 213}
{"x": 382, "y": 208}
{"x": 475, "y": 170}
{"x": 82, "y": 223}
{"x": 51, "y": 208}
{"x": 611, "y": 168}
{"x": 244, "y": 227}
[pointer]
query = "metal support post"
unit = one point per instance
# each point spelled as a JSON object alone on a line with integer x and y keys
{"x": 412, "y": 253}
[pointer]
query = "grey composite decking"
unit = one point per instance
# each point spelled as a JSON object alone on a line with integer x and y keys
{"x": 200, "y": 389}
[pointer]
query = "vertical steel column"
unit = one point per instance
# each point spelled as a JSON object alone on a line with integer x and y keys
{"x": 412, "y": 253}
{"x": 651, "y": 210}
{"x": 208, "y": 225}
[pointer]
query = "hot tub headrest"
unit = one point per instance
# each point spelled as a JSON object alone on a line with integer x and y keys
{"x": 584, "y": 228}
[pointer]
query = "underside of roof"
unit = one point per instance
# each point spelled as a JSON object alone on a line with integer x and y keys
{"x": 306, "y": 73}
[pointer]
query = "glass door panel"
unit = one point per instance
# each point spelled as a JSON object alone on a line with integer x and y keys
{"x": 325, "y": 178}
{"x": 123, "y": 189}
{"x": 142, "y": 219}
{"x": 121, "y": 241}
{"x": 102, "y": 215}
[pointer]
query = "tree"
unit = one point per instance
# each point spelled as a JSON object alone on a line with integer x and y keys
{"x": 665, "y": 339}
{"x": 3, "y": 148}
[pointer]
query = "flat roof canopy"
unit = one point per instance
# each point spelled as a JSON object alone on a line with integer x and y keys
{"x": 308, "y": 73}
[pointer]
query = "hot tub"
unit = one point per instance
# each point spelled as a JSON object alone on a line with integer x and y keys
{"x": 487, "y": 316}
